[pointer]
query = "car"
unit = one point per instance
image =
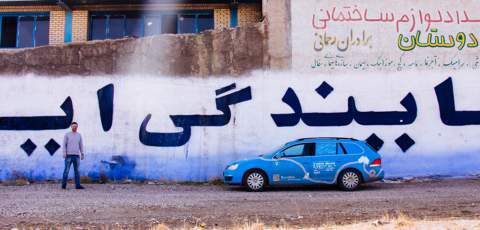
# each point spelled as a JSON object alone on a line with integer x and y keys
{"x": 345, "y": 162}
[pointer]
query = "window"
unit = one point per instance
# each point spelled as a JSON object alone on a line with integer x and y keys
{"x": 9, "y": 32}
{"x": 169, "y": 24}
{"x": 326, "y": 149}
{"x": 41, "y": 34}
{"x": 111, "y": 25}
{"x": 25, "y": 34}
{"x": 117, "y": 26}
{"x": 307, "y": 149}
{"x": 133, "y": 25}
{"x": 187, "y": 24}
{"x": 152, "y": 25}
{"x": 19, "y": 30}
{"x": 205, "y": 22}
{"x": 352, "y": 148}
{"x": 98, "y": 27}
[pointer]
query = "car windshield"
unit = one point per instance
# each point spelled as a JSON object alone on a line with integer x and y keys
{"x": 270, "y": 155}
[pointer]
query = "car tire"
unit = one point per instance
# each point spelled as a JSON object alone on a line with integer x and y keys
{"x": 349, "y": 180}
{"x": 255, "y": 181}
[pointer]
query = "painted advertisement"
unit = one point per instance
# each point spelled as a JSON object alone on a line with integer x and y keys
{"x": 333, "y": 36}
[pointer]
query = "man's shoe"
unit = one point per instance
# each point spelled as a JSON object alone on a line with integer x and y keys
{"x": 64, "y": 187}
{"x": 80, "y": 187}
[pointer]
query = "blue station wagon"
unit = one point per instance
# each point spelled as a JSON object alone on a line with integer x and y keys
{"x": 346, "y": 162}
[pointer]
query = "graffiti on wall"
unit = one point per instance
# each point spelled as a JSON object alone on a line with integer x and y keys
{"x": 186, "y": 122}
{"x": 38, "y": 123}
{"x": 444, "y": 94}
{"x": 130, "y": 134}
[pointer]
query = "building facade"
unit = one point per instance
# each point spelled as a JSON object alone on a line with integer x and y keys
{"x": 33, "y": 23}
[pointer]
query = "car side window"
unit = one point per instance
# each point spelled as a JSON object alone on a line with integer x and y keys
{"x": 326, "y": 149}
{"x": 307, "y": 149}
{"x": 352, "y": 148}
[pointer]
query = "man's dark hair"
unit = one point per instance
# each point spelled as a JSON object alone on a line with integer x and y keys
{"x": 74, "y": 123}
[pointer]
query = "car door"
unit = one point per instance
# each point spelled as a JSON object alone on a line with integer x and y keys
{"x": 326, "y": 162}
{"x": 291, "y": 162}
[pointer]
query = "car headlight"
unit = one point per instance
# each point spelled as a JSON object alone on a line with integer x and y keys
{"x": 233, "y": 167}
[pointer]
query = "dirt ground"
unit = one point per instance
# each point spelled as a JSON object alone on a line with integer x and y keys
{"x": 214, "y": 206}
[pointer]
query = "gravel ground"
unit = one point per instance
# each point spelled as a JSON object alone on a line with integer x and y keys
{"x": 139, "y": 206}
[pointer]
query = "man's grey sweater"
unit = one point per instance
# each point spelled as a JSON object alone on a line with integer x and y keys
{"x": 72, "y": 144}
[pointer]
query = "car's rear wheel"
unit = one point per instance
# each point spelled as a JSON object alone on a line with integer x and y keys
{"x": 349, "y": 180}
{"x": 255, "y": 181}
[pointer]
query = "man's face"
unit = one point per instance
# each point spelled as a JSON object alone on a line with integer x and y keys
{"x": 74, "y": 127}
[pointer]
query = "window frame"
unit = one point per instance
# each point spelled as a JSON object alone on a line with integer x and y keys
{"x": 19, "y": 15}
{"x": 143, "y": 15}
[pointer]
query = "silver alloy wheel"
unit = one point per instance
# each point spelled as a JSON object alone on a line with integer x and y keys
{"x": 255, "y": 181}
{"x": 350, "y": 180}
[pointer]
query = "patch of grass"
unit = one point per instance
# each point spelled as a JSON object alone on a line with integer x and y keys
{"x": 85, "y": 180}
{"x": 18, "y": 179}
{"x": 16, "y": 182}
{"x": 103, "y": 179}
{"x": 216, "y": 181}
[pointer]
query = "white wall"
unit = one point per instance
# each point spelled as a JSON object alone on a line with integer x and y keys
{"x": 439, "y": 149}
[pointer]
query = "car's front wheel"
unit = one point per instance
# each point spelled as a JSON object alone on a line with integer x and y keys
{"x": 255, "y": 181}
{"x": 349, "y": 180}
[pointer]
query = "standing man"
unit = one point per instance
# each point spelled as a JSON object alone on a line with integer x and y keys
{"x": 72, "y": 152}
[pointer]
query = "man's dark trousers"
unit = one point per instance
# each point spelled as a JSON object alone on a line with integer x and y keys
{"x": 69, "y": 160}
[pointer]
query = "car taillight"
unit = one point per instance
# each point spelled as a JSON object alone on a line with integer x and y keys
{"x": 376, "y": 162}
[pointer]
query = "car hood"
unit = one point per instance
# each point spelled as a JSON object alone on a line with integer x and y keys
{"x": 246, "y": 160}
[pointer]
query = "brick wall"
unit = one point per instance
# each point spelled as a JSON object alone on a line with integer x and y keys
{"x": 248, "y": 14}
{"x": 222, "y": 18}
{"x": 57, "y": 27}
{"x": 28, "y": 9}
{"x": 79, "y": 25}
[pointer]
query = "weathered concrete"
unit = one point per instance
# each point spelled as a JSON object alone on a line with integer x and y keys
{"x": 277, "y": 21}
{"x": 217, "y": 52}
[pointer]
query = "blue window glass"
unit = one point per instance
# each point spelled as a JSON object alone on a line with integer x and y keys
{"x": 104, "y": 25}
{"x": 98, "y": 27}
{"x": 117, "y": 26}
{"x": 187, "y": 24}
{"x": 152, "y": 25}
{"x": 307, "y": 149}
{"x": 169, "y": 24}
{"x": 296, "y": 150}
{"x": 41, "y": 33}
{"x": 326, "y": 149}
{"x": 352, "y": 148}
{"x": 133, "y": 26}
{"x": 26, "y": 26}
{"x": 205, "y": 22}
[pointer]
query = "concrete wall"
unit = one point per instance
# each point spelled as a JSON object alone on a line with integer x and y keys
{"x": 229, "y": 51}
{"x": 138, "y": 139}
{"x": 277, "y": 21}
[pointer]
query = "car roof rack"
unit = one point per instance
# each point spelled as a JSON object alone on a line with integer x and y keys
{"x": 337, "y": 138}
